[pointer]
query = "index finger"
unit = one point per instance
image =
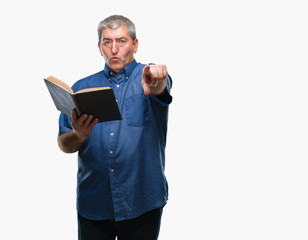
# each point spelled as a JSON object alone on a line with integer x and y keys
{"x": 146, "y": 70}
{"x": 74, "y": 115}
{"x": 76, "y": 118}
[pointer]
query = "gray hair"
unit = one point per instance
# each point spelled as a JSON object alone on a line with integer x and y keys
{"x": 114, "y": 22}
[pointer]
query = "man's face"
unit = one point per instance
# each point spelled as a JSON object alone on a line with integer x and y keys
{"x": 118, "y": 48}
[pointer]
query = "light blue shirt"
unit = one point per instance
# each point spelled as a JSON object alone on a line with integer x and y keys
{"x": 121, "y": 165}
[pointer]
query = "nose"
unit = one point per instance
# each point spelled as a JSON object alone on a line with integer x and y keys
{"x": 114, "y": 47}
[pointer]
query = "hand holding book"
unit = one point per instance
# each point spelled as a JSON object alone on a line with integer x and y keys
{"x": 84, "y": 124}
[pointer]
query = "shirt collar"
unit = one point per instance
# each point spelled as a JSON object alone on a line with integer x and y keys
{"x": 127, "y": 70}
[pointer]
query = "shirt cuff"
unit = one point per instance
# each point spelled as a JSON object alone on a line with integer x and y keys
{"x": 166, "y": 98}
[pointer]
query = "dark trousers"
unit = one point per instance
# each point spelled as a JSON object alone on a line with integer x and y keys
{"x": 145, "y": 227}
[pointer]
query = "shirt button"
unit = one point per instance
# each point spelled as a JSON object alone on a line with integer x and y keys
{"x": 111, "y": 134}
{"x": 118, "y": 85}
{"x": 111, "y": 152}
{"x": 112, "y": 170}
{"x": 126, "y": 77}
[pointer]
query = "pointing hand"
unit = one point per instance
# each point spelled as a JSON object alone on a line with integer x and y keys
{"x": 154, "y": 79}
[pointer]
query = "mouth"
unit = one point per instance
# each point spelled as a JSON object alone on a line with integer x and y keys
{"x": 115, "y": 59}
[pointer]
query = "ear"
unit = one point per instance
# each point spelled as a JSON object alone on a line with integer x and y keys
{"x": 99, "y": 47}
{"x": 135, "y": 45}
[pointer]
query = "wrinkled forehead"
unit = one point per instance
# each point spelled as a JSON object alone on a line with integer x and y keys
{"x": 120, "y": 30}
{"x": 115, "y": 33}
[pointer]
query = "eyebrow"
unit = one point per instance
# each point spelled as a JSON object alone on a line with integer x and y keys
{"x": 116, "y": 38}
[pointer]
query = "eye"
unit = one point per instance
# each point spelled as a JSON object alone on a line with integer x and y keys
{"x": 106, "y": 43}
{"x": 122, "y": 42}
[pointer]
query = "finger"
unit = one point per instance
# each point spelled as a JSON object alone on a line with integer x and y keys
{"x": 83, "y": 118}
{"x": 146, "y": 70}
{"x": 156, "y": 83}
{"x": 146, "y": 75}
{"x": 165, "y": 71}
{"x": 93, "y": 123}
{"x": 157, "y": 76}
{"x": 80, "y": 121}
{"x": 161, "y": 72}
{"x": 88, "y": 121}
{"x": 146, "y": 87}
{"x": 74, "y": 115}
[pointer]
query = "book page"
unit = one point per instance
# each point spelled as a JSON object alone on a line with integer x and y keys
{"x": 60, "y": 84}
{"x": 92, "y": 89}
{"x": 62, "y": 98}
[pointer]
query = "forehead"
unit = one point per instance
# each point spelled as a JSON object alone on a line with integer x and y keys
{"x": 120, "y": 32}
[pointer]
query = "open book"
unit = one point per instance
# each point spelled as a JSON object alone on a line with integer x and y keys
{"x": 100, "y": 102}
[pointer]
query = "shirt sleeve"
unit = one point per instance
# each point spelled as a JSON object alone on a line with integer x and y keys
{"x": 64, "y": 124}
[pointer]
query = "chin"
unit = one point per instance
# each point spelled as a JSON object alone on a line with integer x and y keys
{"x": 117, "y": 66}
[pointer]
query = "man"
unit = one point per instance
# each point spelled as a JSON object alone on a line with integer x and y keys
{"x": 121, "y": 185}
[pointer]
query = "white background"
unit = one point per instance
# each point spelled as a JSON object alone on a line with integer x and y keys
{"x": 237, "y": 141}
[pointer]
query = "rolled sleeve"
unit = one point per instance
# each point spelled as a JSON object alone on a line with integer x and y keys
{"x": 64, "y": 124}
